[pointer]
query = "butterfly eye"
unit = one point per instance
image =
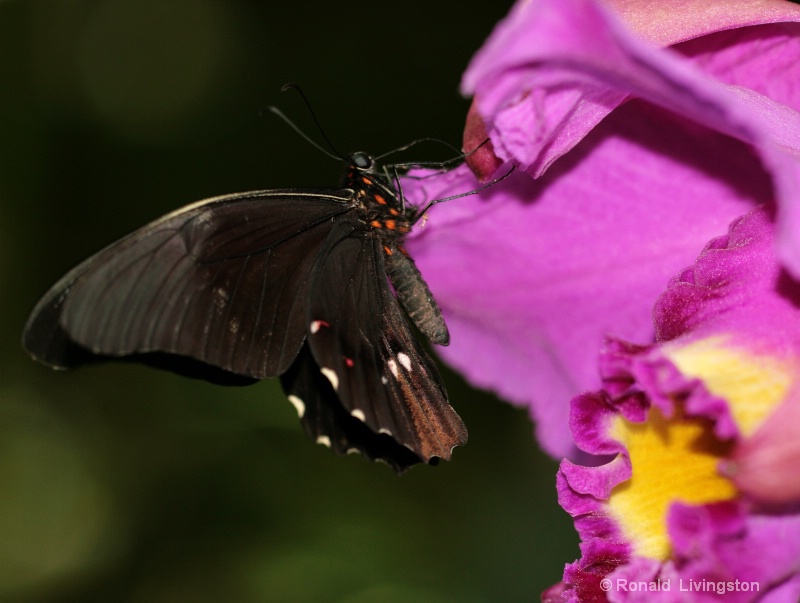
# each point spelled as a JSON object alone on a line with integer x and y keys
{"x": 362, "y": 161}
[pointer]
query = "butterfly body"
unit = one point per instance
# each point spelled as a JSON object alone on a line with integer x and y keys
{"x": 284, "y": 282}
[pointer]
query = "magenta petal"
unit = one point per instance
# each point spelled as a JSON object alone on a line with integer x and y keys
{"x": 534, "y": 53}
{"x": 554, "y": 594}
{"x": 735, "y": 287}
{"x": 560, "y": 66}
{"x": 650, "y": 573}
{"x": 655, "y": 381}
{"x": 724, "y": 542}
{"x": 532, "y": 275}
{"x": 686, "y": 19}
{"x": 762, "y": 58}
{"x": 554, "y": 68}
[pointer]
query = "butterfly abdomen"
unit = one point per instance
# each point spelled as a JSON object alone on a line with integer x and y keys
{"x": 415, "y": 296}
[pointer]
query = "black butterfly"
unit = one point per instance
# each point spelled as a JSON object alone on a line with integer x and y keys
{"x": 289, "y": 282}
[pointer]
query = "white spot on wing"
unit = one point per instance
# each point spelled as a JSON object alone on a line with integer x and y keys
{"x": 393, "y": 367}
{"x": 404, "y": 360}
{"x": 358, "y": 414}
{"x": 299, "y": 405}
{"x": 324, "y": 440}
{"x": 384, "y": 380}
{"x": 353, "y": 451}
{"x": 314, "y": 326}
{"x": 221, "y": 298}
{"x": 386, "y": 431}
{"x": 332, "y": 377}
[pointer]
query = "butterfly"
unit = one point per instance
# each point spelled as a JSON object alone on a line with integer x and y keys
{"x": 311, "y": 285}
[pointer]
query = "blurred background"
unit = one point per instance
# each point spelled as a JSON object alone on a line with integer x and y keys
{"x": 126, "y": 484}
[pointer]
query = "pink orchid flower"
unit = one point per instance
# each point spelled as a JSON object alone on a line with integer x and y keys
{"x": 639, "y": 131}
{"x": 647, "y": 137}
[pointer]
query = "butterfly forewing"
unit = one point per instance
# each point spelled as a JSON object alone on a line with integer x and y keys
{"x": 365, "y": 347}
{"x": 224, "y": 282}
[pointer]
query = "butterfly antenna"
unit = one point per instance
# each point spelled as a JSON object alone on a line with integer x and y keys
{"x": 293, "y": 126}
{"x": 297, "y": 88}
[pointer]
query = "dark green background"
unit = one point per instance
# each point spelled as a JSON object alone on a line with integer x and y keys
{"x": 121, "y": 483}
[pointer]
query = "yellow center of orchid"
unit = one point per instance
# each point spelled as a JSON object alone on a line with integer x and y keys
{"x": 676, "y": 458}
{"x": 673, "y": 459}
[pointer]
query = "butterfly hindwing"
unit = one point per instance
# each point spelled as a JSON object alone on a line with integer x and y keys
{"x": 326, "y": 421}
{"x": 366, "y": 349}
{"x": 224, "y": 282}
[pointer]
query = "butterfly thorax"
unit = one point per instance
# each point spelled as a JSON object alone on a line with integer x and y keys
{"x": 381, "y": 209}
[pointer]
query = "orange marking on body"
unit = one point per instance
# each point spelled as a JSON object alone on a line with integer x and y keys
{"x": 380, "y": 199}
{"x": 390, "y": 224}
{"x": 376, "y": 224}
{"x": 403, "y": 251}
{"x": 387, "y": 251}
{"x": 366, "y": 180}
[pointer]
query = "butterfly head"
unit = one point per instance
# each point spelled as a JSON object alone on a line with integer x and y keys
{"x": 361, "y": 162}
